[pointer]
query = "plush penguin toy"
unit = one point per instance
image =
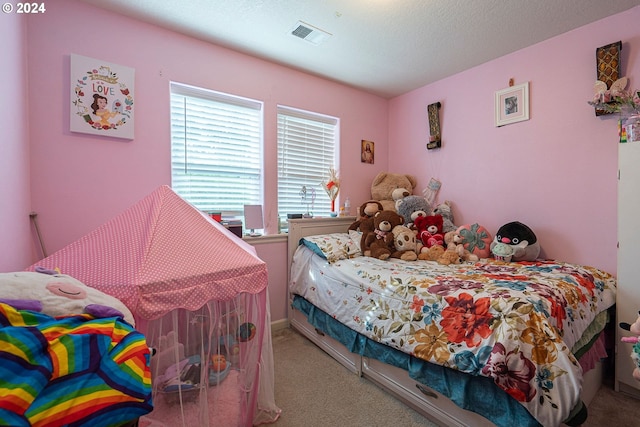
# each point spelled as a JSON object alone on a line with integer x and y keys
{"x": 521, "y": 238}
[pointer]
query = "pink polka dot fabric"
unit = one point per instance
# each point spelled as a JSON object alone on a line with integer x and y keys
{"x": 160, "y": 254}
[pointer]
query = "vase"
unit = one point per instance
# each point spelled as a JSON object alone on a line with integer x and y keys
{"x": 333, "y": 205}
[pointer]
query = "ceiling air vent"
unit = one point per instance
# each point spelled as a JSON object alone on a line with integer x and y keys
{"x": 309, "y": 33}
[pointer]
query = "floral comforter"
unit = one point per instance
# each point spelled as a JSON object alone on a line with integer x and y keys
{"x": 513, "y": 322}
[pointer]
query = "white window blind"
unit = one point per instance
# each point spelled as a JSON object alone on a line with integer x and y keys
{"x": 216, "y": 149}
{"x": 307, "y": 145}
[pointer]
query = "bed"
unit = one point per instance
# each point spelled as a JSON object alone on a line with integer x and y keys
{"x": 485, "y": 344}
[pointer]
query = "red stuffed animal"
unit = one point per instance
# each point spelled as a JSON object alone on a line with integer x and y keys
{"x": 430, "y": 230}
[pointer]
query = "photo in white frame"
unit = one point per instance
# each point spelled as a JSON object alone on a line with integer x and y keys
{"x": 512, "y": 104}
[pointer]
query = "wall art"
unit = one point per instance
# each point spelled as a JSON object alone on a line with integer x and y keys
{"x": 512, "y": 104}
{"x": 435, "y": 139}
{"x": 608, "y": 69}
{"x": 102, "y": 97}
{"x": 367, "y": 151}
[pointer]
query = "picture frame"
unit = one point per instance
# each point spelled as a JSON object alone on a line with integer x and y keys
{"x": 512, "y": 104}
{"x": 102, "y": 98}
{"x": 367, "y": 151}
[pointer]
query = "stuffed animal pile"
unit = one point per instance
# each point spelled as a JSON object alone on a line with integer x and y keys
{"x": 434, "y": 229}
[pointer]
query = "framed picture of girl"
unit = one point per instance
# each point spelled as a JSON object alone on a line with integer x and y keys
{"x": 102, "y": 97}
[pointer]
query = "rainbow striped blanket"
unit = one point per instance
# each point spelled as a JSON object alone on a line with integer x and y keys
{"x": 71, "y": 370}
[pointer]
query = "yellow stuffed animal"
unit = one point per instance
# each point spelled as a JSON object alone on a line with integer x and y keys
{"x": 449, "y": 257}
{"x": 431, "y": 254}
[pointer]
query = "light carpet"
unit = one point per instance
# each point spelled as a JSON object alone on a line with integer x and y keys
{"x": 313, "y": 390}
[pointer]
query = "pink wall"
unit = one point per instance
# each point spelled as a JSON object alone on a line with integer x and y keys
{"x": 80, "y": 181}
{"x": 15, "y": 197}
{"x": 556, "y": 172}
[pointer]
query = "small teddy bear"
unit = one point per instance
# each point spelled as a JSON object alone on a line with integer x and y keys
{"x": 405, "y": 243}
{"x": 455, "y": 242}
{"x": 379, "y": 243}
{"x": 430, "y": 230}
{"x": 444, "y": 209}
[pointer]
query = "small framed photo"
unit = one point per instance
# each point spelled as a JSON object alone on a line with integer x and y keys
{"x": 512, "y": 104}
{"x": 367, "y": 150}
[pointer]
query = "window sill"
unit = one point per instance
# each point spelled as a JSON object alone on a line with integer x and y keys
{"x": 271, "y": 238}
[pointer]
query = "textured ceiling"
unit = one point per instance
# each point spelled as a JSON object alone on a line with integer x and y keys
{"x": 386, "y": 47}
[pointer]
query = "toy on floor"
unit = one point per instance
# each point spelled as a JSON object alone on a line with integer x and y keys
{"x": 634, "y": 328}
{"x": 177, "y": 373}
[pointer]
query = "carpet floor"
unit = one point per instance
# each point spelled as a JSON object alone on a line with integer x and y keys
{"x": 313, "y": 390}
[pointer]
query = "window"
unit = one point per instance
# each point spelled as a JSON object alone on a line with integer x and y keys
{"x": 216, "y": 149}
{"x": 306, "y": 151}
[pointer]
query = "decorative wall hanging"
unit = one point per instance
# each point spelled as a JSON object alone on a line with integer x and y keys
{"x": 435, "y": 140}
{"x": 367, "y": 151}
{"x": 608, "y": 78}
{"x": 101, "y": 98}
{"x": 610, "y": 93}
{"x": 512, "y": 104}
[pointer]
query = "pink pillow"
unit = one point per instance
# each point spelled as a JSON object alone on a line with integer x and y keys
{"x": 476, "y": 239}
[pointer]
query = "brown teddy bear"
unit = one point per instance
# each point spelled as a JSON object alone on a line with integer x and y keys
{"x": 365, "y": 223}
{"x": 384, "y": 184}
{"x": 379, "y": 243}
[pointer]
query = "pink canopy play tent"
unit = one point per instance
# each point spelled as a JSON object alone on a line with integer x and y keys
{"x": 197, "y": 291}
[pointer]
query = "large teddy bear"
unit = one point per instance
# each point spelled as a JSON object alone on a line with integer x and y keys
{"x": 380, "y": 243}
{"x": 384, "y": 184}
{"x": 55, "y": 294}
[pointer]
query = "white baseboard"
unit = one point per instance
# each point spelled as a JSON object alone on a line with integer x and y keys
{"x": 278, "y": 325}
